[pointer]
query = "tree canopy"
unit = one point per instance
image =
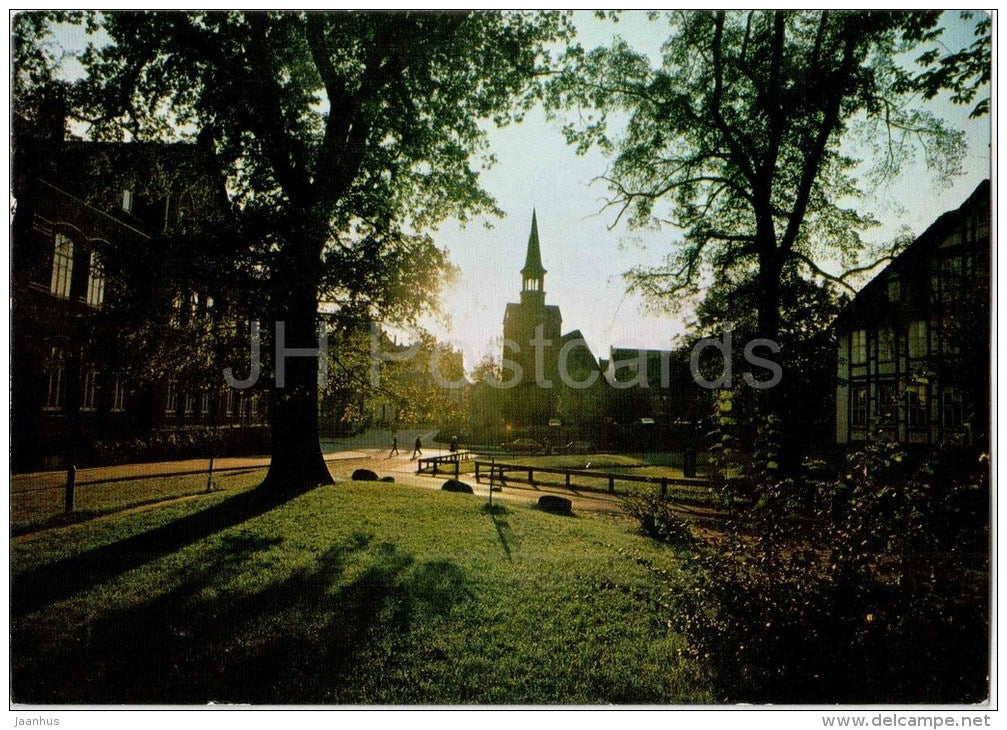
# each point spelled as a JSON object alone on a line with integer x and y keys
{"x": 736, "y": 138}
{"x": 343, "y": 137}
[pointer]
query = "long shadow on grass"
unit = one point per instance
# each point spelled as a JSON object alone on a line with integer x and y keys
{"x": 502, "y": 526}
{"x": 52, "y": 582}
{"x": 321, "y": 634}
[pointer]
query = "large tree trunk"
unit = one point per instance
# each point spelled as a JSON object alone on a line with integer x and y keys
{"x": 296, "y": 458}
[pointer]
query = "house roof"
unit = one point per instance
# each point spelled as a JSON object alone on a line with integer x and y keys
{"x": 930, "y": 239}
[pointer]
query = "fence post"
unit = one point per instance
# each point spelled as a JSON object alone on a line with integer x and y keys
{"x": 664, "y": 488}
{"x": 477, "y": 472}
{"x": 531, "y": 477}
{"x": 456, "y": 469}
{"x": 568, "y": 480}
{"x": 611, "y": 484}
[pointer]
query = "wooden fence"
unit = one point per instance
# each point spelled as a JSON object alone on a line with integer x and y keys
{"x": 435, "y": 462}
{"x": 498, "y": 471}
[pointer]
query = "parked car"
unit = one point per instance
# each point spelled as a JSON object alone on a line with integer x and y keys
{"x": 579, "y": 447}
{"x": 526, "y": 445}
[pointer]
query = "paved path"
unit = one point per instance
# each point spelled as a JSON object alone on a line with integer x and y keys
{"x": 38, "y": 495}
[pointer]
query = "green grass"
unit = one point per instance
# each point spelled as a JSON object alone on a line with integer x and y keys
{"x": 351, "y": 594}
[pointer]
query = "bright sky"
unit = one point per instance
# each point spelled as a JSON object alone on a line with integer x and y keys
{"x": 584, "y": 259}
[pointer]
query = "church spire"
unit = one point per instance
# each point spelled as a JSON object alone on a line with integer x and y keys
{"x": 533, "y": 261}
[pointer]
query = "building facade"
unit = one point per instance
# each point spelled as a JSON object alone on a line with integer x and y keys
{"x": 914, "y": 344}
{"x": 80, "y": 208}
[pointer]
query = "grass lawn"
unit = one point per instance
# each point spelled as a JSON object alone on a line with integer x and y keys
{"x": 355, "y": 593}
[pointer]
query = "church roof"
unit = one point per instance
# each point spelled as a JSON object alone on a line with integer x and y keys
{"x": 533, "y": 260}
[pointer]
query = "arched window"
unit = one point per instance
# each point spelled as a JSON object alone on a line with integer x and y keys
{"x": 62, "y": 266}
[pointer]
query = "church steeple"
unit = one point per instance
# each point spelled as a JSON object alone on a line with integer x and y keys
{"x": 533, "y": 261}
{"x": 533, "y": 273}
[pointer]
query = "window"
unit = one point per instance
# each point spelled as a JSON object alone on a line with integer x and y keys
{"x": 859, "y": 344}
{"x": 916, "y": 407}
{"x": 204, "y": 403}
{"x": 89, "y": 391}
{"x": 894, "y": 290}
{"x": 118, "y": 396}
{"x": 918, "y": 339}
{"x": 229, "y": 408}
{"x": 171, "y": 402}
{"x": 859, "y": 395}
{"x": 95, "y": 282}
{"x": 62, "y": 266}
{"x": 952, "y": 409}
{"x": 886, "y": 345}
{"x": 951, "y": 278}
{"x": 56, "y": 388}
{"x": 888, "y": 404}
{"x": 127, "y": 201}
{"x": 190, "y": 403}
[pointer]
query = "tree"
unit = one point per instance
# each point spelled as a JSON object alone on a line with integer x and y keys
{"x": 737, "y": 139}
{"x": 333, "y": 129}
{"x": 807, "y": 350}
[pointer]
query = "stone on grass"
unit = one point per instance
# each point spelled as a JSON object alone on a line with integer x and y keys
{"x": 554, "y": 504}
{"x": 364, "y": 475}
{"x": 387, "y": 479}
{"x": 453, "y": 485}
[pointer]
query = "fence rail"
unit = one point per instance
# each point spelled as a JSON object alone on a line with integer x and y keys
{"x": 499, "y": 470}
{"x": 435, "y": 462}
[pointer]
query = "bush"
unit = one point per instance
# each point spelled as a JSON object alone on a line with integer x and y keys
{"x": 657, "y": 519}
{"x": 390, "y": 480}
{"x": 185, "y": 443}
{"x": 364, "y": 475}
{"x": 872, "y": 593}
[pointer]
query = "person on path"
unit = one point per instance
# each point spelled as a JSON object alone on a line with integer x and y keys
{"x": 395, "y": 446}
{"x": 417, "y": 449}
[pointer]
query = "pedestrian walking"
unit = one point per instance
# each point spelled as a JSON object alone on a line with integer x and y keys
{"x": 417, "y": 449}
{"x": 395, "y": 446}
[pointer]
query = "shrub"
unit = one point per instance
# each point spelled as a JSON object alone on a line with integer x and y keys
{"x": 873, "y": 595}
{"x": 364, "y": 475}
{"x": 657, "y": 519}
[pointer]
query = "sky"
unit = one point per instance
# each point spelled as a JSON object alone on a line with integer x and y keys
{"x": 584, "y": 254}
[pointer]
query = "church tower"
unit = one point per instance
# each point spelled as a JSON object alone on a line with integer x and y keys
{"x": 532, "y": 402}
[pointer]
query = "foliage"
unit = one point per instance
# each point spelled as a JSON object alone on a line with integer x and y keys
{"x": 963, "y": 72}
{"x": 657, "y": 519}
{"x": 187, "y": 443}
{"x": 736, "y": 139}
{"x": 867, "y": 588}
